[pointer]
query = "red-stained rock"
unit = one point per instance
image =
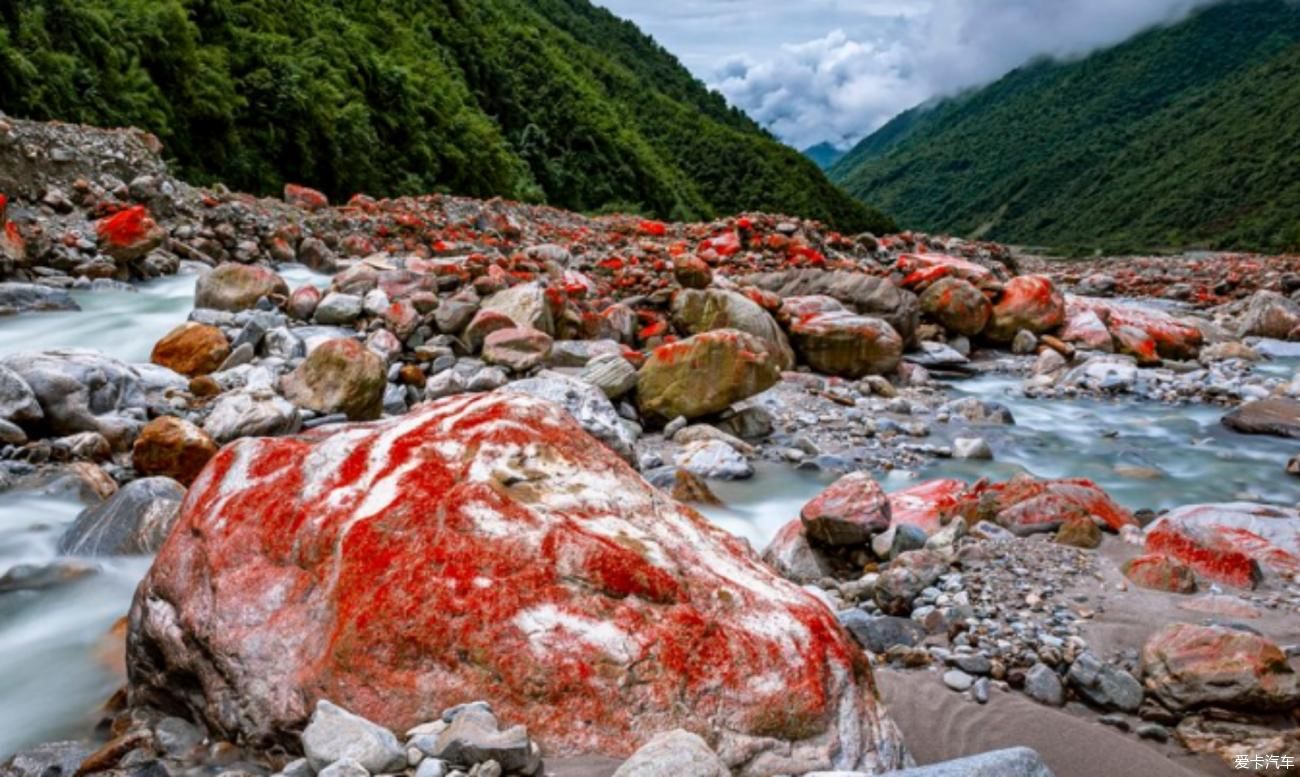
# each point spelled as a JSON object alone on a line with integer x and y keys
{"x": 1186, "y": 667}
{"x": 402, "y": 318}
{"x": 484, "y": 323}
{"x": 927, "y": 506}
{"x": 848, "y": 512}
{"x": 1131, "y": 341}
{"x": 484, "y": 547}
{"x": 339, "y": 376}
{"x": 13, "y": 249}
{"x": 704, "y": 374}
{"x": 1085, "y": 328}
{"x": 172, "y": 447}
{"x": 1172, "y": 339}
{"x": 957, "y": 305}
{"x": 1029, "y": 302}
{"x": 847, "y": 345}
{"x": 235, "y": 287}
{"x": 302, "y": 303}
{"x": 517, "y": 348}
{"x": 1234, "y": 543}
{"x": 129, "y": 234}
{"x": 191, "y": 349}
{"x": 927, "y": 268}
{"x": 307, "y": 199}
{"x": 1026, "y": 505}
{"x": 797, "y": 308}
{"x": 1160, "y": 573}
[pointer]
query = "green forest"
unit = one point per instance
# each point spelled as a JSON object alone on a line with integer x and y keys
{"x": 1185, "y": 136}
{"x": 551, "y": 101}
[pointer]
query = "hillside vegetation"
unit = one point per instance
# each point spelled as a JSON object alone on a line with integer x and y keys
{"x": 1182, "y": 136}
{"x": 544, "y": 100}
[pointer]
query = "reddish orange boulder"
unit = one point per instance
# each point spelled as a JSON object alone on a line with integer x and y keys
{"x": 192, "y": 349}
{"x": 172, "y": 447}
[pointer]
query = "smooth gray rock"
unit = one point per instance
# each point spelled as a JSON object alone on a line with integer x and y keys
{"x": 133, "y": 521}
{"x": 51, "y": 759}
{"x": 1104, "y": 685}
{"x": 971, "y": 448}
{"x": 251, "y": 413}
{"x": 586, "y": 403}
{"x": 83, "y": 391}
{"x": 334, "y": 734}
{"x": 1012, "y": 762}
{"x": 674, "y": 754}
{"x": 17, "y": 400}
{"x": 1044, "y": 686}
{"x": 611, "y": 373}
{"x": 715, "y": 460}
{"x": 958, "y": 680}
{"x": 474, "y": 738}
{"x": 878, "y": 633}
{"x": 344, "y": 767}
{"x": 337, "y": 309}
{"x": 25, "y": 297}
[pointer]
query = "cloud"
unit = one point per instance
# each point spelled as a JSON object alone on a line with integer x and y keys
{"x": 837, "y": 70}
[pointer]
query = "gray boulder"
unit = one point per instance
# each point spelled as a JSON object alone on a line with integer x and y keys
{"x": 83, "y": 391}
{"x": 474, "y": 737}
{"x": 1104, "y": 685}
{"x": 1012, "y": 762}
{"x": 878, "y": 633}
{"x": 133, "y": 521}
{"x": 251, "y": 413}
{"x": 611, "y": 373}
{"x": 334, "y": 734}
{"x": 674, "y": 754}
{"x": 587, "y": 404}
{"x": 18, "y": 402}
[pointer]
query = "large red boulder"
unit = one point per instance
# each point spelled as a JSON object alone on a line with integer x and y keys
{"x": 1235, "y": 543}
{"x": 305, "y": 198}
{"x": 1026, "y": 505}
{"x": 485, "y": 547}
{"x": 1030, "y": 302}
{"x": 1160, "y": 573}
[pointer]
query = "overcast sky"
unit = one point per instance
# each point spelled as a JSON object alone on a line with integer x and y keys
{"x": 835, "y": 70}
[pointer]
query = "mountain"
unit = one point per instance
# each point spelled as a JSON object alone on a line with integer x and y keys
{"x": 542, "y": 100}
{"x": 824, "y": 154}
{"x": 1184, "y": 135}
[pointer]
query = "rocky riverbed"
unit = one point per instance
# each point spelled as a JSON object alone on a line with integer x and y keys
{"x": 446, "y": 486}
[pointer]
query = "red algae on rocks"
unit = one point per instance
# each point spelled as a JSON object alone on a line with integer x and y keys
{"x": 483, "y": 547}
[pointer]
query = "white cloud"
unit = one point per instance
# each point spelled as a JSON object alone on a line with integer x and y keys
{"x": 837, "y": 70}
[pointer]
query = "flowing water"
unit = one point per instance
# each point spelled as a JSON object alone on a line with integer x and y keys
{"x": 57, "y": 666}
{"x": 58, "y": 662}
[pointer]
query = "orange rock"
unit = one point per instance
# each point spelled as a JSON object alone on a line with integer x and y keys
{"x": 172, "y": 447}
{"x": 192, "y": 349}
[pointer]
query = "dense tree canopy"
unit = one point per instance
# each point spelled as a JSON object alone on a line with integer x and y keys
{"x": 545, "y": 100}
{"x": 1183, "y": 136}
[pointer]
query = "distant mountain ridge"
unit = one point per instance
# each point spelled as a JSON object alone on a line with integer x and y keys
{"x": 1184, "y": 135}
{"x": 555, "y": 101}
{"x": 824, "y": 154}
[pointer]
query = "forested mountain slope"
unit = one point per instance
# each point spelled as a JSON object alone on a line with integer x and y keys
{"x": 1184, "y": 135}
{"x": 544, "y": 100}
